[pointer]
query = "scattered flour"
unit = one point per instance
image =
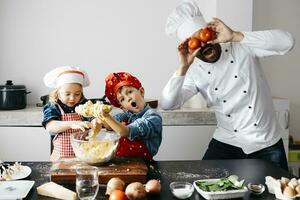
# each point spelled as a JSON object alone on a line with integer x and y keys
{"x": 202, "y": 174}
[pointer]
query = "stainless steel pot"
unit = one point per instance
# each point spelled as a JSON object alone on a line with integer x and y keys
{"x": 13, "y": 97}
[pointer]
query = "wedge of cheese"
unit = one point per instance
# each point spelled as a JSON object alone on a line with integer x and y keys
{"x": 52, "y": 189}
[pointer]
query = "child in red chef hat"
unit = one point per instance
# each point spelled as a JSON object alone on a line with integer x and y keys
{"x": 139, "y": 125}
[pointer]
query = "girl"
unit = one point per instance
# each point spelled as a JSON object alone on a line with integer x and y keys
{"x": 60, "y": 118}
{"x": 139, "y": 125}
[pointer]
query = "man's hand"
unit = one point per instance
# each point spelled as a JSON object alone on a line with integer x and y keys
{"x": 223, "y": 33}
{"x": 186, "y": 57}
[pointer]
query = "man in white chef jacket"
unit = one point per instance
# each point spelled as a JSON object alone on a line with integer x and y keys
{"x": 232, "y": 81}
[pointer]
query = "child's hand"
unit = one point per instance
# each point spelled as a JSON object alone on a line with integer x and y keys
{"x": 101, "y": 115}
{"x": 96, "y": 122}
{"x": 82, "y": 125}
{"x": 96, "y": 125}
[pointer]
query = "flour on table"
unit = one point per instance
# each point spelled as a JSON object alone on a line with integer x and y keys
{"x": 203, "y": 174}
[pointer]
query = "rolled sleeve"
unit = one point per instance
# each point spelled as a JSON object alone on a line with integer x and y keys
{"x": 148, "y": 129}
{"x": 51, "y": 112}
{"x": 144, "y": 127}
{"x": 121, "y": 117}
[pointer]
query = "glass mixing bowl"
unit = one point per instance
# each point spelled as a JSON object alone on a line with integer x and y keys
{"x": 96, "y": 150}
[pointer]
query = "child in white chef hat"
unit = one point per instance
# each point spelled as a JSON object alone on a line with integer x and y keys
{"x": 60, "y": 118}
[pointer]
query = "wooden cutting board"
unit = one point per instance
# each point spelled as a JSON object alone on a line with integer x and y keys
{"x": 128, "y": 169}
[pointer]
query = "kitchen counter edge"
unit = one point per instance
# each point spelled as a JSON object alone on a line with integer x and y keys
{"x": 31, "y": 116}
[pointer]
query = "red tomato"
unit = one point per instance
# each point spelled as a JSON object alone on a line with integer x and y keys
{"x": 194, "y": 43}
{"x": 205, "y": 35}
{"x": 117, "y": 195}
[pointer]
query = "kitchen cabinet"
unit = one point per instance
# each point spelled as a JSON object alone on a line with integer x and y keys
{"x": 184, "y": 142}
{"x": 24, "y": 144}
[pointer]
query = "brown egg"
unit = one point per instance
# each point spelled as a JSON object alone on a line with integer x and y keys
{"x": 297, "y": 189}
{"x": 282, "y": 185}
{"x": 285, "y": 180}
{"x": 289, "y": 192}
{"x": 293, "y": 183}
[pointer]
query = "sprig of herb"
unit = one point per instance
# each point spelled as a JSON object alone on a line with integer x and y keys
{"x": 224, "y": 184}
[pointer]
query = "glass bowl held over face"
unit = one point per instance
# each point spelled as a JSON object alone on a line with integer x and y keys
{"x": 182, "y": 190}
{"x": 98, "y": 150}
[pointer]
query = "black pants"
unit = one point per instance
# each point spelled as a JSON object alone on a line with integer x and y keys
{"x": 219, "y": 150}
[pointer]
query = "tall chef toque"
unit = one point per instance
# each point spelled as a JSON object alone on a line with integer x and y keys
{"x": 66, "y": 74}
{"x": 185, "y": 20}
{"x": 114, "y": 81}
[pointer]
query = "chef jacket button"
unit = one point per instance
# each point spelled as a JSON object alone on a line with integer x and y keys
{"x": 249, "y": 107}
{"x": 235, "y": 76}
{"x": 255, "y": 124}
{"x": 208, "y": 72}
{"x": 235, "y": 130}
{"x": 224, "y": 101}
{"x": 245, "y": 91}
{"x": 216, "y": 89}
{"x": 228, "y": 115}
{"x": 226, "y": 50}
{"x": 231, "y": 61}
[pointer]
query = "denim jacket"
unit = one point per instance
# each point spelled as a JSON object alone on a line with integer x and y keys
{"x": 145, "y": 125}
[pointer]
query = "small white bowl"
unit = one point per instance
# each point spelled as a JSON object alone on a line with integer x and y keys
{"x": 182, "y": 190}
{"x": 256, "y": 189}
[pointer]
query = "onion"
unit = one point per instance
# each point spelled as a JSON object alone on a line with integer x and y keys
{"x": 153, "y": 186}
{"x": 135, "y": 191}
{"x": 114, "y": 184}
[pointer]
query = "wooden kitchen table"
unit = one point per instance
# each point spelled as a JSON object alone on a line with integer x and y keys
{"x": 251, "y": 170}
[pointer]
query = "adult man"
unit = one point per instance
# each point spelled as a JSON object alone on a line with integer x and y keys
{"x": 228, "y": 74}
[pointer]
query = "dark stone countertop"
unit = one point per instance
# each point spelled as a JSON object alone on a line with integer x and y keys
{"x": 251, "y": 170}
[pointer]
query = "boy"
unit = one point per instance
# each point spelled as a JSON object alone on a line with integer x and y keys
{"x": 139, "y": 125}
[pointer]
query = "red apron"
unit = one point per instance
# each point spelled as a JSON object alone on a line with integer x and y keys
{"x": 61, "y": 143}
{"x": 134, "y": 148}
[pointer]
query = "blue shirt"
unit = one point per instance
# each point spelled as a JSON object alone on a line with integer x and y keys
{"x": 52, "y": 112}
{"x": 145, "y": 125}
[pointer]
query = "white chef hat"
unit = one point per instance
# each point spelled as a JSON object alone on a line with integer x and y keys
{"x": 66, "y": 74}
{"x": 185, "y": 20}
